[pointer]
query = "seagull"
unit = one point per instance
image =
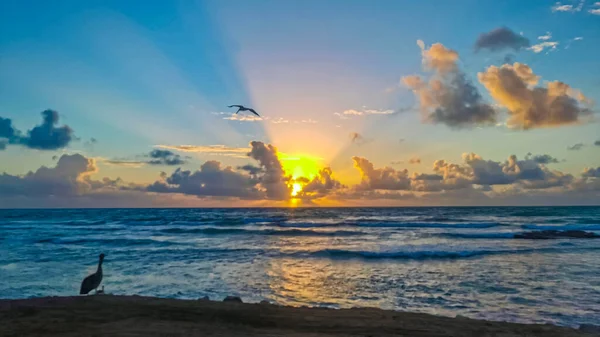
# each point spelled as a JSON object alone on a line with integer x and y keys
{"x": 243, "y": 108}
{"x": 92, "y": 281}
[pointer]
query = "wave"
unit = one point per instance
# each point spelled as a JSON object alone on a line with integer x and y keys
{"x": 431, "y": 254}
{"x": 433, "y": 225}
{"x": 384, "y": 224}
{"x": 503, "y": 235}
{"x": 581, "y": 227}
{"x": 290, "y": 232}
{"x": 117, "y": 242}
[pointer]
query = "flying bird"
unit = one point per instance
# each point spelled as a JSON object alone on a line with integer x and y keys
{"x": 92, "y": 281}
{"x": 243, "y": 108}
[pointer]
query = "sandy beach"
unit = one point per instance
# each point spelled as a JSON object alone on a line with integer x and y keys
{"x": 108, "y": 315}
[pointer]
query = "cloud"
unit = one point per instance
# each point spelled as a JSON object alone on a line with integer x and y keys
{"x": 398, "y": 162}
{"x": 546, "y": 37}
{"x": 542, "y": 158}
{"x": 41, "y": 137}
{"x": 590, "y": 172}
{"x": 69, "y": 183}
{"x": 243, "y": 118}
{"x": 8, "y": 134}
{"x": 514, "y": 87}
{"x": 164, "y": 157}
{"x": 540, "y": 47}
{"x": 576, "y": 147}
{"x": 597, "y": 143}
{"x": 123, "y": 163}
{"x": 595, "y": 11}
{"x": 449, "y": 98}
{"x": 220, "y": 150}
{"x": 274, "y": 181}
{"x": 211, "y": 180}
{"x": 363, "y": 112}
{"x": 280, "y": 121}
{"x": 385, "y": 178}
{"x": 414, "y": 160}
{"x": 67, "y": 178}
{"x": 559, "y": 7}
{"x": 499, "y": 39}
{"x": 46, "y": 136}
{"x": 321, "y": 185}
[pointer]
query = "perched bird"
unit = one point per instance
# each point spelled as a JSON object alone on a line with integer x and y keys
{"x": 93, "y": 281}
{"x": 243, "y": 108}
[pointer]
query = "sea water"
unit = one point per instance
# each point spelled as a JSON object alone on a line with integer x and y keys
{"x": 444, "y": 261}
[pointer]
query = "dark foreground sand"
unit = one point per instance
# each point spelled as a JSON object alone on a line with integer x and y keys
{"x": 107, "y": 315}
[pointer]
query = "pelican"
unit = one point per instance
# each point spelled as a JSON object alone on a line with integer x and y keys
{"x": 243, "y": 108}
{"x": 92, "y": 281}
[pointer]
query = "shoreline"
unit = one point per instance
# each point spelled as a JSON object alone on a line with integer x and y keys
{"x": 111, "y": 315}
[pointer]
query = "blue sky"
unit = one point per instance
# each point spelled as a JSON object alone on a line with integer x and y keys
{"x": 135, "y": 75}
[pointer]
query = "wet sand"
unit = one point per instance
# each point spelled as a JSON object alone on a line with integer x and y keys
{"x": 108, "y": 315}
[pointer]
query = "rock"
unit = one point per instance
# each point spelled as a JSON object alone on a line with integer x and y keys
{"x": 265, "y": 302}
{"x": 205, "y": 298}
{"x": 233, "y": 299}
{"x": 589, "y": 328}
{"x": 555, "y": 234}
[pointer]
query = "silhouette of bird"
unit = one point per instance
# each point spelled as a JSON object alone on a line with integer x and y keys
{"x": 92, "y": 281}
{"x": 243, "y": 108}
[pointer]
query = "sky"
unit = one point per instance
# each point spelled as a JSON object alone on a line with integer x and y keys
{"x": 361, "y": 103}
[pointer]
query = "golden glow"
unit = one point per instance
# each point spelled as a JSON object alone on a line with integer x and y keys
{"x": 296, "y": 188}
{"x": 300, "y": 165}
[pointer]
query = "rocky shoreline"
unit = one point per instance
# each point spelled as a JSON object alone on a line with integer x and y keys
{"x": 108, "y": 315}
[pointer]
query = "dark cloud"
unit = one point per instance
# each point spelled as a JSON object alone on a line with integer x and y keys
{"x": 273, "y": 180}
{"x": 414, "y": 160}
{"x": 424, "y": 176}
{"x": 542, "y": 158}
{"x": 385, "y": 178}
{"x": 576, "y": 147}
{"x": 251, "y": 169}
{"x": 67, "y": 178}
{"x": 165, "y": 157}
{"x": 321, "y": 185}
{"x": 267, "y": 181}
{"x": 591, "y": 172}
{"x": 514, "y": 87}
{"x": 499, "y": 39}
{"x": 597, "y": 143}
{"x": 210, "y": 180}
{"x": 449, "y": 98}
{"x": 45, "y": 136}
{"x": 8, "y": 134}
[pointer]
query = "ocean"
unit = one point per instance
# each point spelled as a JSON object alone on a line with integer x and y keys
{"x": 444, "y": 261}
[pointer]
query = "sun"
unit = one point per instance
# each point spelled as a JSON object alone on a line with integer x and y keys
{"x": 296, "y": 188}
{"x": 302, "y": 168}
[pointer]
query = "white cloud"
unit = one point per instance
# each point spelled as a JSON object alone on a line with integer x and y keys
{"x": 363, "y": 112}
{"x": 559, "y": 7}
{"x": 546, "y": 37}
{"x": 219, "y": 150}
{"x": 540, "y": 47}
{"x": 595, "y": 11}
{"x": 280, "y": 121}
{"x": 244, "y": 118}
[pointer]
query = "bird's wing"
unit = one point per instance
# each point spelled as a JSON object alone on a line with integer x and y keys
{"x": 237, "y": 106}
{"x": 254, "y": 112}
